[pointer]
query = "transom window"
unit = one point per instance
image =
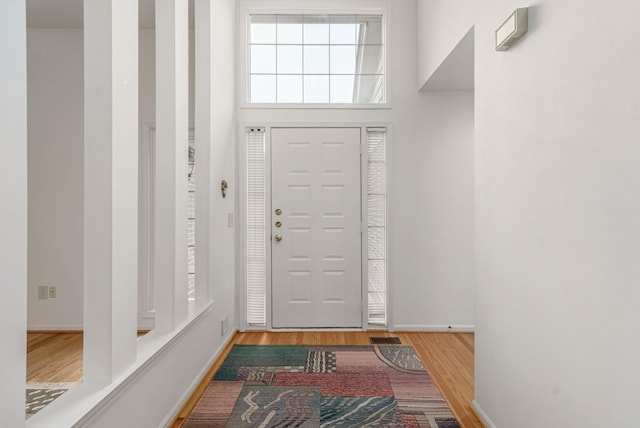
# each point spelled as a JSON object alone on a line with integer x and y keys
{"x": 323, "y": 59}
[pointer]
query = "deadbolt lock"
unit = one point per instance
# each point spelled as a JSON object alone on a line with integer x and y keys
{"x": 278, "y": 238}
{"x": 278, "y": 224}
{"x": 278, "y": 211}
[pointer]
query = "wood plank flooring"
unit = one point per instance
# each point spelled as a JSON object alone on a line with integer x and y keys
{"x": 54, "y": 357}
{"x": 448, "y": 357}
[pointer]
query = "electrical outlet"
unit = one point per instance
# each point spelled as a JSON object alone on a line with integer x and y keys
{"x": 52, "y": 292}
{"x": 225, "y": 325}
{"x": 43, "y": 292}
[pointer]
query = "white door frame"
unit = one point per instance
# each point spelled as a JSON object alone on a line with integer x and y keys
{"x": 241, "y": 273}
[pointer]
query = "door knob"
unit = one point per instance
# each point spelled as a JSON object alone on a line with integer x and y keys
{"x": 278, "y": 211}
{"x": 278, "y": 238}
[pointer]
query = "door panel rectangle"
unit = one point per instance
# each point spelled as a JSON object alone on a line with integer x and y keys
{"x": 332, "y": 158}
{"x": 300, "y": 158}
{"x": 300, "y": 287}
{"x": 333, "y": 203}
{"x": 299, "y": 244}
{"x": 334, "y": 284}
{"x": 299, "y": 201}
{"x": 333, "y": 241}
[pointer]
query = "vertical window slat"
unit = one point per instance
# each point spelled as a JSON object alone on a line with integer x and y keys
{"x": 376, "y": 226}
{"x": 256, "y": 244}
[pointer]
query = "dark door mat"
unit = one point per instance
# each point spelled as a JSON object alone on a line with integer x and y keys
{"x": 385, "y": 340}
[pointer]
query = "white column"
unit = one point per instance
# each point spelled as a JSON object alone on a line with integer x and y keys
{"x": 111, "y": 187}
{"x": 13, "y": 210}
{"x": 172, "y": 145}
{"x": 204, "y": 140}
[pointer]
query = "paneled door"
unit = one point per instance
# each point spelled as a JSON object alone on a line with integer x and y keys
{"x": 315, "y": 228}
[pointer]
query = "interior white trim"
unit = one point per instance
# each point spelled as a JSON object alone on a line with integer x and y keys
{"x": 436, "y": 328}
{"x": 479, "y": 411}
{"x": 246, "y": 7}
{"x": 364, "y": 235}
{"x": 54, "y": 327}
{"x": 147, "y": 162}
{"x": 389, "y": 226}
{"x": 146, "y": 314}
{"x": 242, "y": 212}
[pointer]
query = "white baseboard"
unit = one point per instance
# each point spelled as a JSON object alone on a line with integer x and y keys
{"x": 479, "y": 411}
{"x": 173, "y": 413}
{"x": 435, "y": 328}
{"x": 54, "y": 327}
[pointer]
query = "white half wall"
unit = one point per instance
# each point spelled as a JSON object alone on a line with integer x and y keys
{"x": 557, "y": 213}
{"x": 170, "y": 366}
{"x": 56, "y": 177}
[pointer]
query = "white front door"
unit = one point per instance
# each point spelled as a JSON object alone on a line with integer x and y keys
{"x": 315, "y": 228}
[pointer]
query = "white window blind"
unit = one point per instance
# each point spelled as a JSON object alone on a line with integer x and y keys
{"x": 256, "y": 243}
{"x": 376, "y": 225}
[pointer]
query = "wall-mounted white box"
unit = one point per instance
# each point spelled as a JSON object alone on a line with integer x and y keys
{"x": 512, "y": 29}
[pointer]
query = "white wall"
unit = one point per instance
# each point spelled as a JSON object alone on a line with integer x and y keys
{"x": 432, "y": 237}
{"x": 557, "y": 215}
{"x": 432, "y": 242}
{"x": 13, "y": 211}
{"x": 222, "y": 237}
{"x": 56, "y": 177}
{"x": 448, "y": 22}
{"x": 431, "y": 206}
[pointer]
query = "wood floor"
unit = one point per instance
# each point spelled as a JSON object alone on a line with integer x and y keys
{"x": 448, "y": 357}
{"x": 54, "y": 357}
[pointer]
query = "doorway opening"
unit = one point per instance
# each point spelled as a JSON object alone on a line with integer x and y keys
{"x": 267, "y": 289}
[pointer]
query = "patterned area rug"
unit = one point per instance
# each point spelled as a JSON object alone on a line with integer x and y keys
{"x": 39, "y": 395}
{"x": 322, "y": 386}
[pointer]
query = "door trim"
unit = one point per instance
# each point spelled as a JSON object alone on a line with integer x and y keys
{"x": 241, "y": 270}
